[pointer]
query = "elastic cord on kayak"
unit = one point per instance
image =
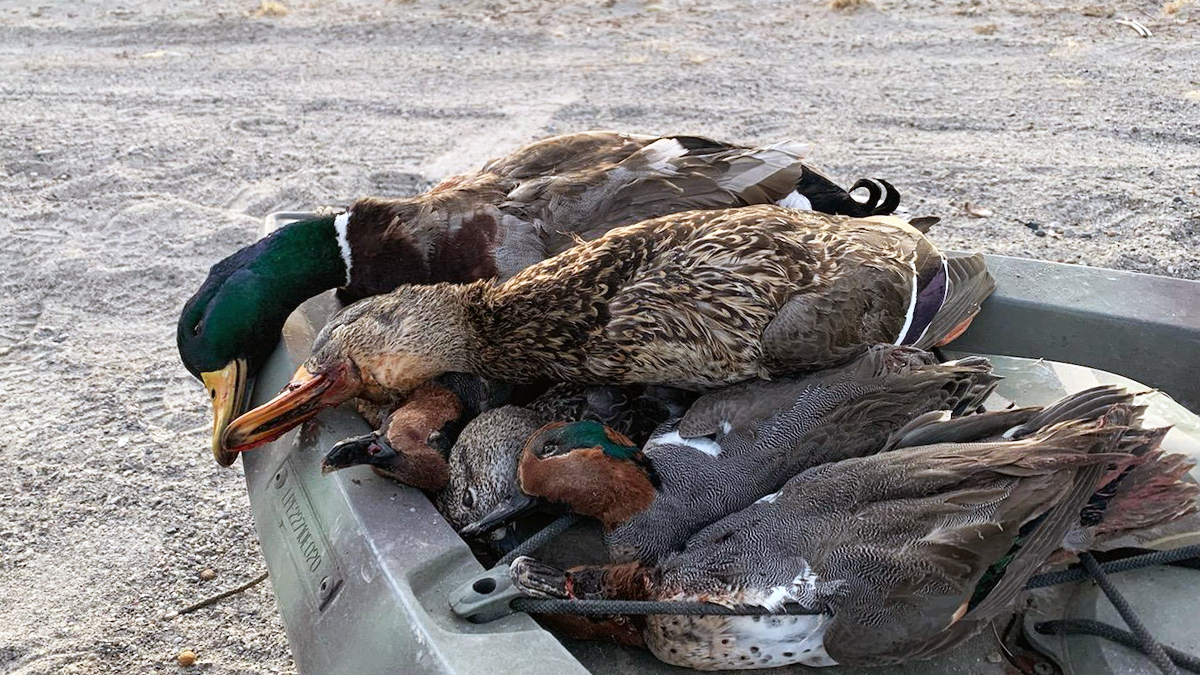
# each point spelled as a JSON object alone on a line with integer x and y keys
{"x": 599, "y": 607}
{"x": 1167, "y": 557}
{"x": 541, "y": 538}
{"x": 1110, "y": 632}
{"x": 1146, "y": 641}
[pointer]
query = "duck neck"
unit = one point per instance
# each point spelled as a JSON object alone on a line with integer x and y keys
{"x": 423, "y": 468}
{"x": 300, "y": 260}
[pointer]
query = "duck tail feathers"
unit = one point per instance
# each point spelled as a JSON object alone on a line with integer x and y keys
{"x": 1086, "y": 405}
{"x": 882, "y": 198}
{"x": 1151, "y": 492}
{"x": 970, "y": 284}
{"x": 823, "y": 195}
{"x": 940, "y": 427}
{"x": 1149, "y": 487}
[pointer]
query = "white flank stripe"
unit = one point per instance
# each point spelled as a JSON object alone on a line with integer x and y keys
{"x": 912, "y": 304}
{"x": 704, "y": 445}
{"x": 340, "y": 224}
{"x": 795, "y": 200}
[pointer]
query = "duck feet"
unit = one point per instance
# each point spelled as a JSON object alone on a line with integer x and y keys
{"x": 539, "y": 580}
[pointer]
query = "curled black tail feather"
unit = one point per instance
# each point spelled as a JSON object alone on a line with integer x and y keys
{"x": 882, "y": 198}
{"x": 1086, "y": 405}
{"x": 827, "y": 197}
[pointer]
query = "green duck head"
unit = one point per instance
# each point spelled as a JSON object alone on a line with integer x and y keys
{"x": 561, "y": 439}
{"x": 586, "y": 466}
{"x": 231, "y": 324}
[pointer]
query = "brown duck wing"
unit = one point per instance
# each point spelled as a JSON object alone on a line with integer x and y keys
{"x": 860, "y": 295}
{"x": 568, "y": 153}
{"x": 669, "y": 175}
{"x": 883, "y": 281}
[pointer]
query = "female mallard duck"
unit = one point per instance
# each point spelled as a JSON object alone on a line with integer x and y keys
{"x": 515, "y": 211}
{"x": 694, "y": 300}
{"x": 899, "y": 555}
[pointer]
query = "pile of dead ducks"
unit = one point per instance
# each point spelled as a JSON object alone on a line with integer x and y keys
{"x": 716, "y": 353}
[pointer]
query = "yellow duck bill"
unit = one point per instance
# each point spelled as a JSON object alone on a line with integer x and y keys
{"x": 229, "y": 388}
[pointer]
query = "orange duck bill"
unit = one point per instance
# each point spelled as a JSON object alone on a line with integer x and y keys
{"x": 305, "y": 396}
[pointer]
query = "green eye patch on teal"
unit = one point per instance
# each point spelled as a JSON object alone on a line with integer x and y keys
{"x": 592, "y": 434}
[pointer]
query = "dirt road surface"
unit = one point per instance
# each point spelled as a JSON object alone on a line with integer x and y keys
{"x": 142, "y": 141}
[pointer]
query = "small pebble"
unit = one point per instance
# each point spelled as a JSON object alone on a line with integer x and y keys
{"x": 208, "y": 575}
{"x": 995, "y": 657}
{"x": 187, "y": 658}
{"x": 170, "y": 615}
{"x": 1033, "y": 225}
{"x": 1178, "y": 199}
{"x": 1040, "y": 233}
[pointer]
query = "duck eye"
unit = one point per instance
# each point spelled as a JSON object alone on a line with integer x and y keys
{"x": 549, "y": 448}
{"x": 196, "y": 329}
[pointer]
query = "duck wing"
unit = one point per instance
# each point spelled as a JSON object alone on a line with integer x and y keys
{"x": 892, "y": 284}
{"x": 568, "y": 153}
{"x": 740, "y": 407}
{"x": 664, "y": 176}
{"x": 968, "y": 284}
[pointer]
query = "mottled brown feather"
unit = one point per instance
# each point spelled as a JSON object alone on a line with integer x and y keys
{"x": 696, "y": 300}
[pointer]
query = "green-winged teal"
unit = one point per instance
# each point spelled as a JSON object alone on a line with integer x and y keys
{"x": 899, "y": 555}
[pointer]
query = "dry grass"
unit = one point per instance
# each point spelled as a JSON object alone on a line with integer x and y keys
{"x": 844, "y": 5}
{"x": 270, "y": 8}
{"x": 987, "y": 29}
{"x": 1173, "y": 6}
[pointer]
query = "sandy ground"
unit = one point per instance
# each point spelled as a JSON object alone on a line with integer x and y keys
{"x": 140, "y": 142}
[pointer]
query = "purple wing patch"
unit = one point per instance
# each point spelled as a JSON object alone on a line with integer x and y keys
{"x": 931, "y": 294}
